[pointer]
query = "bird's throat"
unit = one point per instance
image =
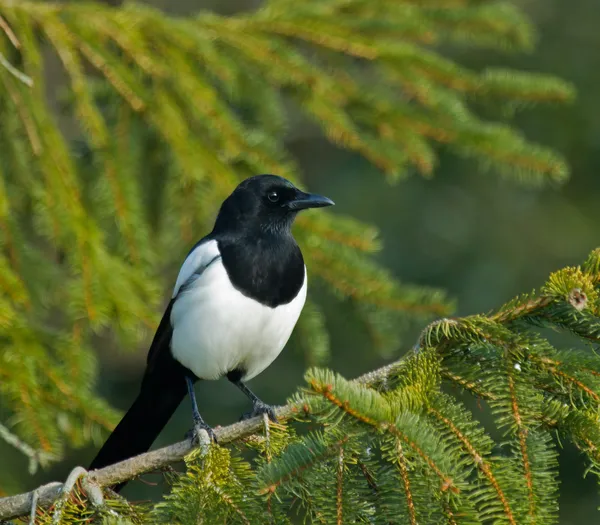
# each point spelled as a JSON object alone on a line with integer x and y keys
{"x": 267, "y": 268}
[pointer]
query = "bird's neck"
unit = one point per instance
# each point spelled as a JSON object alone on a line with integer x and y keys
{"x": 266, "y": 266}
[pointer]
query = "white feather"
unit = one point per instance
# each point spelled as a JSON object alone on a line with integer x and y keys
{"x": 217, "y": 329}
{"x": 200, "y": 256}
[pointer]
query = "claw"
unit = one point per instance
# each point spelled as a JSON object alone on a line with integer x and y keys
{"x": 195, "y": 434}
{"x": 259, "y": 409}
{"x": 94, "y": 492}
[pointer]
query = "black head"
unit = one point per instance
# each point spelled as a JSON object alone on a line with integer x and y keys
{"x": 265, "y": 202}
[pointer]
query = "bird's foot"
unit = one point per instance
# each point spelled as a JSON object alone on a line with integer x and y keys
{"x": 196, "y": 434}
{"x": 259, "y": 409}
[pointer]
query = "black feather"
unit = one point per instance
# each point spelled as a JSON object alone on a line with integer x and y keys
{"x": 162, "y": 390}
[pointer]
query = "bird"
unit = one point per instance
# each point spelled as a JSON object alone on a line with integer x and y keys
{"x": 235, "y": 303}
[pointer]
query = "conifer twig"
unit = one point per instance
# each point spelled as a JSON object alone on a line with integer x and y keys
{"x": 20, "y": 505}
{"x": 15, "y": 72}
{"x": 9, "y": 33}
{"x": 34, "y": 455}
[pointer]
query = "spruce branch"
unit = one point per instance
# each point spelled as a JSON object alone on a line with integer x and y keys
{"x": 406, "y": 482}
{"x": 478, "y": 457}
{"x": 169, "y": 113}
{"x": 163, "y": 115}
{"x": 522, "y": 432}
{"x": 15, "y": 72}
{"x": 36, "y": 457}
{"x": 20, "y": 505}
{"x": 402, "y": 403}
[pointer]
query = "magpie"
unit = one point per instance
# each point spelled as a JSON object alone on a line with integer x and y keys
{"x": 236, "y": 300}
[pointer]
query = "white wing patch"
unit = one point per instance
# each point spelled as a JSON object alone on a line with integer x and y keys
{"x": 200, "y": 257}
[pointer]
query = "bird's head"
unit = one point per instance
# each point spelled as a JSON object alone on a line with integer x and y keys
{"x": 265, "y": 202}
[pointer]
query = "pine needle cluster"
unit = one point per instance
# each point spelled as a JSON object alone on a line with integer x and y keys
{"x": 154, "y": 121}
{"x": 409, "y": 447}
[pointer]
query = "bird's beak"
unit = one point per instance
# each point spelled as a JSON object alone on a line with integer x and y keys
{"x": 303, "y": 201}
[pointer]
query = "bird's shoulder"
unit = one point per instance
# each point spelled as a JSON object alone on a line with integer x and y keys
{"x": 202, "y": 254}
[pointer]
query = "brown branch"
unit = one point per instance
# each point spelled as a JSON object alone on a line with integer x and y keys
{"x": 340, "y": 486}
{"x": 470, "y": 386}
{"x": 522, "y": 435}
{"x": 404, "y": 474}
{"x": 327, "y": 392}
{"x": 4, "y": 25}
{"x": 481, "y": 463}
{"x": 531, "y": 307}
{"x": 329, "y": 451}
{"x": 553, "y": 368}
{"x": 20, "y": 505}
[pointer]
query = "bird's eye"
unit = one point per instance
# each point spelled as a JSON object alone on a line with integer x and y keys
{"x": 273, "y": 196}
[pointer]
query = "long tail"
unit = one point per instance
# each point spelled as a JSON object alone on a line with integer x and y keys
{"x": 162, "y": 390}
{"x": 142, "y": 423}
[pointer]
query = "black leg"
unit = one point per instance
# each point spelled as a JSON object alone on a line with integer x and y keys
{"x": 259, "y": 407}
{"x": 198, "y": 421}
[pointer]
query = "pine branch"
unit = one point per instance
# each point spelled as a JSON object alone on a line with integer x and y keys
{"x": 522, "y": 436}
{"x": 340, "y": 487}
{"x": 518, "y": 367}
{"x": 483, "y": 465}
{"x": 165, "y": 114}
{"x": 20, "y": 505}
{"x": 406, "y": 481}
{"x": 35, "y": 456}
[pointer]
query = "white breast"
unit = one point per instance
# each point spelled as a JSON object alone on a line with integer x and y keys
{"x": 217, "y": 329}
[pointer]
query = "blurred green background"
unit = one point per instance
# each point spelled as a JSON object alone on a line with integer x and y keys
{"x": 482, "y": 239}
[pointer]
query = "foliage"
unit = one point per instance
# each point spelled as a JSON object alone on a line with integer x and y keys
{"x": 407, "y": 448}
{"x": 158, "y": 118}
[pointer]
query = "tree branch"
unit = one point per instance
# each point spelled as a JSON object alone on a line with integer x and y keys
{"x": 20, "y": 505}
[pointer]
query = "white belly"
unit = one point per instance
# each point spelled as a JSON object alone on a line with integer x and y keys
{"x": 217, "y": 329}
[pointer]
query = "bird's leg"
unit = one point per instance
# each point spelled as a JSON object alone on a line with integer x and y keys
{"x": 259, "y": 407}
{"x": 199, "y": 423}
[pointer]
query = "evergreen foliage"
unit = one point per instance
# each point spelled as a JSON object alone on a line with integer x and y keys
{"x": 409, "y": 447}
{"x": 156, "y": 120}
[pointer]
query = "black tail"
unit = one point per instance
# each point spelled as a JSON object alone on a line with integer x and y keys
{"x": 163, "y": 388}
{"x": 141, "y": 425}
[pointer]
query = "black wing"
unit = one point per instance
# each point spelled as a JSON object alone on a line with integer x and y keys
{"x": 162, "y": 338}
